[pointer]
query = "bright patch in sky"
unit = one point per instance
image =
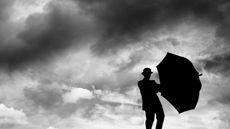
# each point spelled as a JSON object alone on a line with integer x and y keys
{"x": 77, "y": 93}
{"x": 11, "y": 116}
{"x": 23, "y": 8}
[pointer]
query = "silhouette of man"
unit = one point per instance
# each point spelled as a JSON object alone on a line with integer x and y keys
{"x": 150, "y": 101}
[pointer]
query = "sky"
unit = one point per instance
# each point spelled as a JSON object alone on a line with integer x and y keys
{"x": 75, "y": 64}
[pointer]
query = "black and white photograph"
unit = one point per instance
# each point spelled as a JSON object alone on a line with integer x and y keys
{"x": 114, "y": 64}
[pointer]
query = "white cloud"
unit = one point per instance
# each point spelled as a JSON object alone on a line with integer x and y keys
{"x": 115, "y": 97}
{"x": 23, "y": 8}
{"x": 77, "y": 93}
{"x": 52, "y": 128}
{"x": 131, "y": 96}
{"x": 11, "y": 116}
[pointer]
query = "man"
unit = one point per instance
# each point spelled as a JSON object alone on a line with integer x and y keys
{"x": 150, "y": 101}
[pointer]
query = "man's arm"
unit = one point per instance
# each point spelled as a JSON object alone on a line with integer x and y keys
{"x": 140, "y": 87}
{"x": 159, "y": 87}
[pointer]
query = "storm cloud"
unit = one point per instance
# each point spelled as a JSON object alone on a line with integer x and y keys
{"x": 45, "y": 35}
{"x": 118, "y": 24}
{"x": 49, "y": 98}
{"x": 43, "y": 96}
{"x": 125, "y": 21}
{"x": 5, "y": 6}
{"x": 218, "y": 64}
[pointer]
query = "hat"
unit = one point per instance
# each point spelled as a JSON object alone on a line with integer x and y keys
{"x": 146, "y": 71}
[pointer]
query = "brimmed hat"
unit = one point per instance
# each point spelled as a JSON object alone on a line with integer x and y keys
{"x": 146, "y": 71}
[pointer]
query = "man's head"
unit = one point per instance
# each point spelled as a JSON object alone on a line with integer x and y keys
{"x": 147, "y": 72}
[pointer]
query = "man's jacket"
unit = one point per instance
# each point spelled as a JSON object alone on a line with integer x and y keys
{"x": 148, "y": 90}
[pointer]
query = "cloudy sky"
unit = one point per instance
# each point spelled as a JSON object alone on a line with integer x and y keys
{"x": 75, "y": 64}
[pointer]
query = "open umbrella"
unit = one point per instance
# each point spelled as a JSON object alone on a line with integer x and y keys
{"x": 180, "y": 83}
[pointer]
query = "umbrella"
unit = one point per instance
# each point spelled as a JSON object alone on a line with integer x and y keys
{"x": 180, "y": 83}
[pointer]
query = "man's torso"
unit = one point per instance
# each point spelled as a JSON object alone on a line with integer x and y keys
{"x": 148, "y": 91}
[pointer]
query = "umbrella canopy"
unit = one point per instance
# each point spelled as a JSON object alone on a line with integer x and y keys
{"x": 179, "y": 81}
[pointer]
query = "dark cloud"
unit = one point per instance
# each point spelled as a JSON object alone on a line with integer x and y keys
{"x": 45, "y": 35}
{"x": 119, "y": 22}
{"x": 124, "y": 21}
{"x": 48, "y": 96}
{"x": 218, "y": 64}
{"x": 49, "y": 99}
{"x": 8, "y": 125}
{"x": 173, "y": 41}
{"x": 224, "y": 99}
{"x": 45, "y": 97}
{"x": 5, "y": 9}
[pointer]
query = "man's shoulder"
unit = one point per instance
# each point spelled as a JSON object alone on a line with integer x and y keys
{"x": 140, "y": 83}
